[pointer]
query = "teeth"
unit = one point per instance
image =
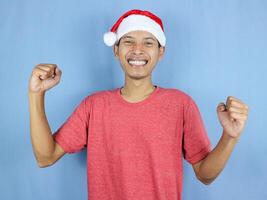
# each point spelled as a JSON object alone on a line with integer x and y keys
{"x": 137, "y": 62}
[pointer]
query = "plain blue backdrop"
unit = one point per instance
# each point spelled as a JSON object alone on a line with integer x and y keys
{"x": 214, "y": 49}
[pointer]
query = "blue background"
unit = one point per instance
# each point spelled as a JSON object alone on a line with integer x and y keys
{"x": 214, "y": 49}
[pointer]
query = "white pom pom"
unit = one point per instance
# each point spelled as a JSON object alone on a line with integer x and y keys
{"x": 110, "y": 38}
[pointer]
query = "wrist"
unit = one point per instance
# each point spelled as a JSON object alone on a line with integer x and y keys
{"x": 31, "y": 93}
{"x": 36, "y": 98}
{"x": 230, "y": 138}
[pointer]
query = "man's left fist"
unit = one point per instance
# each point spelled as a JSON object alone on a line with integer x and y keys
{"x": 232, "y": 116}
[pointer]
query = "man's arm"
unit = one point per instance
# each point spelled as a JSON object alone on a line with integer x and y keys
{"x": 46, "y": 150}
{"x": 232, "y": 117}
{"x": 209, "y": 168}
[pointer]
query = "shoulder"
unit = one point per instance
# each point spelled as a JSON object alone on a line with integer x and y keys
{"x": 176, "y": 95}
{"x": 99, "y": 95}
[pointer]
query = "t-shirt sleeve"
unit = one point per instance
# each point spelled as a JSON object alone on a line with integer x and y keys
{"x": 72, "y": 135}
{"x": 196, "y": 144}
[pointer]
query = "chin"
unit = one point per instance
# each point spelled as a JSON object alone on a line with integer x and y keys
{"x": 137, "y": 76}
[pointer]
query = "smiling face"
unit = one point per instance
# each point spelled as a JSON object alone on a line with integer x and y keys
{"x": 138, "y": 52}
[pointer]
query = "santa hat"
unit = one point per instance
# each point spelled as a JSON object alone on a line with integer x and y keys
{"x": 136, "y": 20}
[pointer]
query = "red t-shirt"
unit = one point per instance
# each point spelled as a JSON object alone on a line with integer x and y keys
{"x": 135, "y": 150}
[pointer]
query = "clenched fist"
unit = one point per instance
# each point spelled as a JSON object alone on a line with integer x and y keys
{"x": 44, "y": 77}
{"x": 233, "y": 116}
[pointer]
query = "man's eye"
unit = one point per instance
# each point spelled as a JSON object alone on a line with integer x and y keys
{"x": 149, "y": 43}
{"x": 127, "y": 42}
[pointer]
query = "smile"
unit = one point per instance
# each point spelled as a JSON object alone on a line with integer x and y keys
{"x": 138, "y": 63}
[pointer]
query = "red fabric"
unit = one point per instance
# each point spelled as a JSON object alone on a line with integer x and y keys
{"x": 137, "y": 12}
{"x": 135, "y": 150}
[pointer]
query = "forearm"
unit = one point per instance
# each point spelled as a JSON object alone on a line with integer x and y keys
{"x": 41, "y": 137}
{"x": 214, "y": 163}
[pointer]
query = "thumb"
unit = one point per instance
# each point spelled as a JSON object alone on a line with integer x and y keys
{"x": 57, "y": 74}
{"x": 58, "y": 71}
{"x": 221, "y": 107}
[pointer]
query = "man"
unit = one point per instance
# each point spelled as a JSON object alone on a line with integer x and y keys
{"x": 136, "y": 135}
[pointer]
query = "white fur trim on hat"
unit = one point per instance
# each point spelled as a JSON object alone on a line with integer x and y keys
{"x": 135, "y": 22}
{"x": 142, "y": 23}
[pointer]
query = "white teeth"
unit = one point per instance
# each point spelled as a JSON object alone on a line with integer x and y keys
{"x": 137, "y": 62}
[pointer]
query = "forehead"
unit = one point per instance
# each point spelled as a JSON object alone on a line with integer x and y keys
{"x": 139, "y": 35}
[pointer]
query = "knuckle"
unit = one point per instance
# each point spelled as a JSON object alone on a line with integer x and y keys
{"x": 43, "y": 64}
{"x": 231, "y": 98}
{"x": 232, "y": 115}
{"x": 52, "y": 65}
{"x": 37, "y": 71}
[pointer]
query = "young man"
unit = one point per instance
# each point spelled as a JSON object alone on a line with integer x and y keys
{"x": 136, "y": 135}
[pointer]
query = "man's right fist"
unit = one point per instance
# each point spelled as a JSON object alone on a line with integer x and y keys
{"x": 44, "y": 77}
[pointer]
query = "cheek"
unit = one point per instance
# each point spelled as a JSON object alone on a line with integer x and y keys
{"x": 122, "y": 55}
{"x": 154, "y": 56}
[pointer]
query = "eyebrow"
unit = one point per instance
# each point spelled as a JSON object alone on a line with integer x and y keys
{"x": 130, "y": 37}
{"x": 124, "y": 37}
{"x": 147, "y": 38}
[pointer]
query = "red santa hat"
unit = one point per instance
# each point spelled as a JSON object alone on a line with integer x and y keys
{"x": 136, "y": 20}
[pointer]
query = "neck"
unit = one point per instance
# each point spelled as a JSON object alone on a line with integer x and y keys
{"x": 134, "y": 88}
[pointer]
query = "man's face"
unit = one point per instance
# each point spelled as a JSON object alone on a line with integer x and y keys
{"x": 138, "y": 52}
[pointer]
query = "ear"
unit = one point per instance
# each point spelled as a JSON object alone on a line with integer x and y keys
{"x": 161, "y": 52}
{"x": 116, "y": 51}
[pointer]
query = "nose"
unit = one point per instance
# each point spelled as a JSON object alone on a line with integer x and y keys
{"x": 138, "y": 49}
